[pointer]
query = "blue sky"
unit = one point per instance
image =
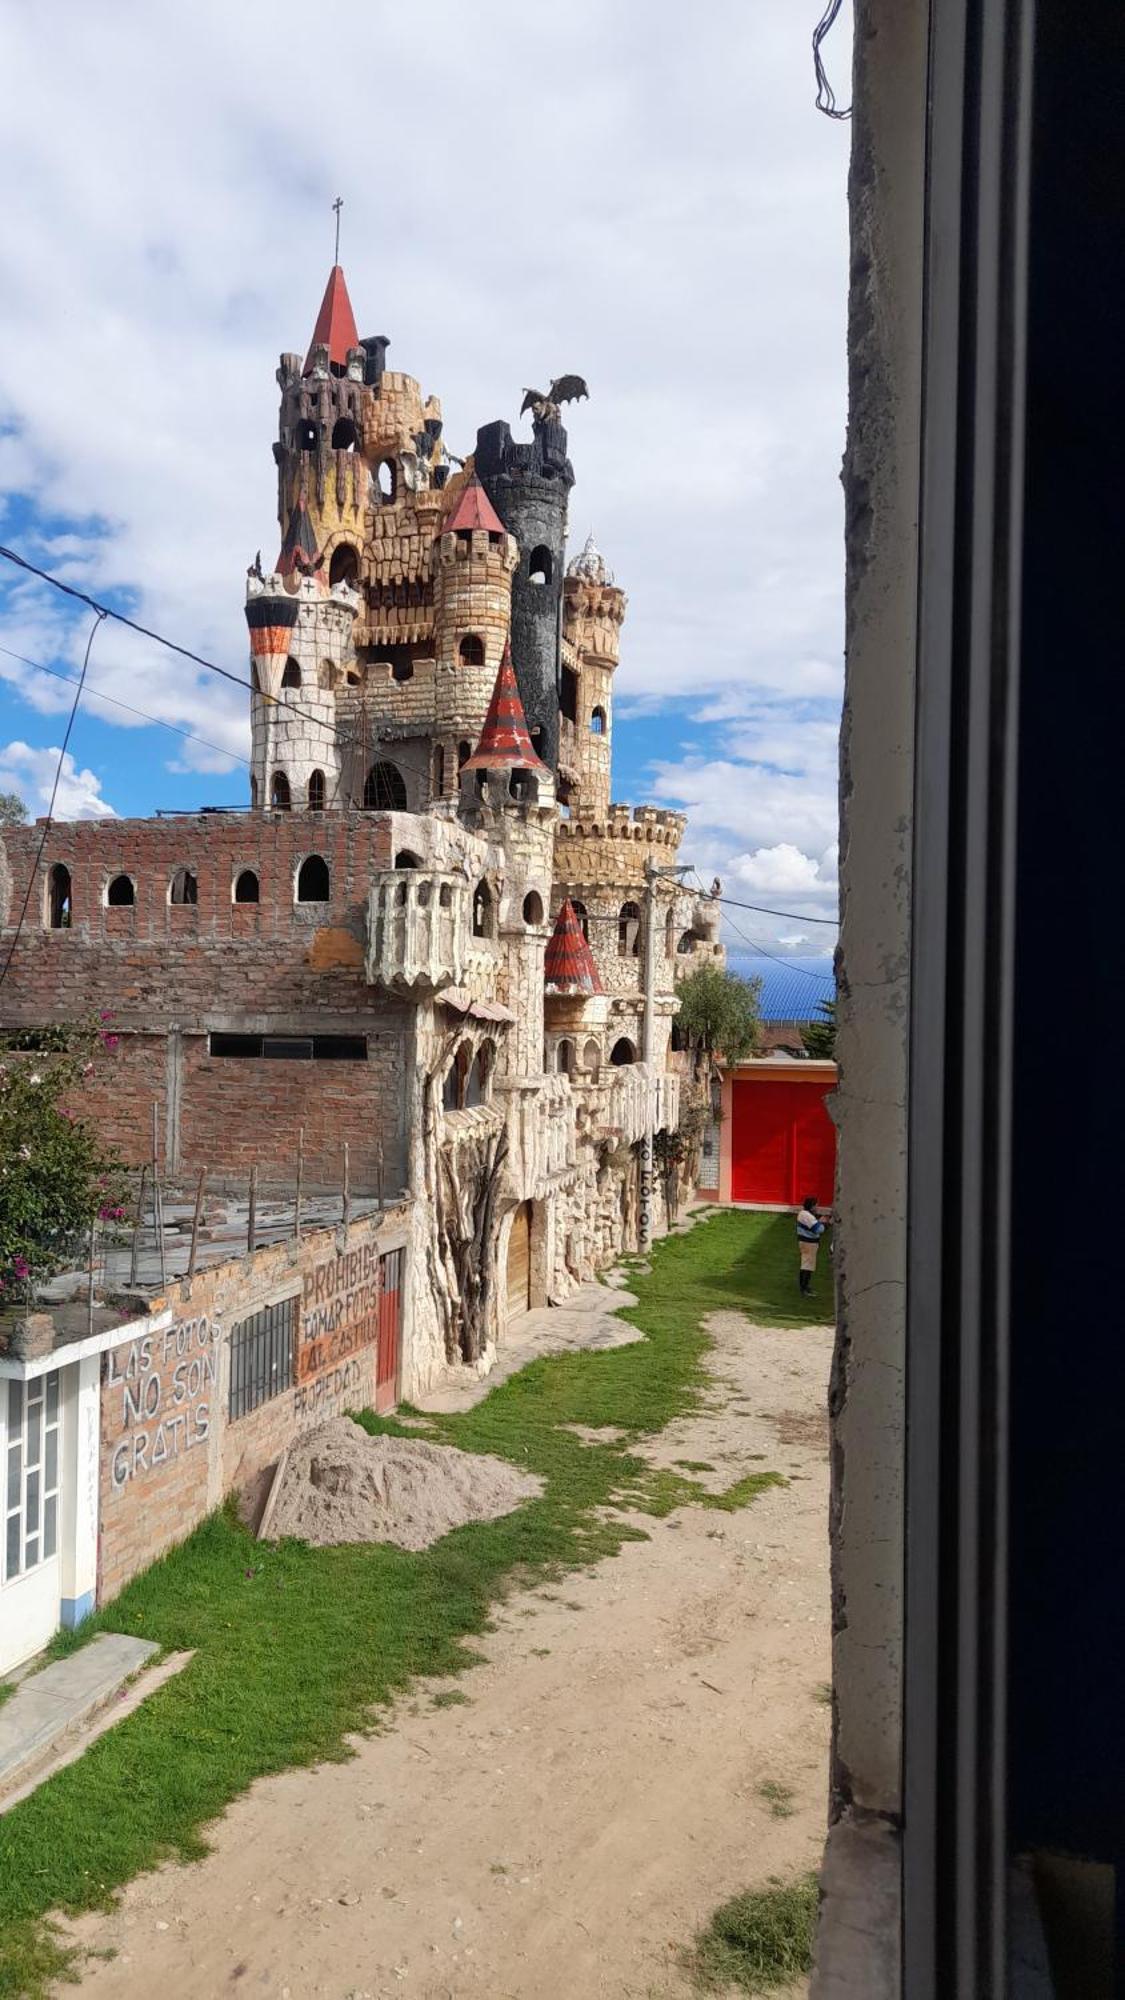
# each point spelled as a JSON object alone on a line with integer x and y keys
{"x": 658, "y": 206}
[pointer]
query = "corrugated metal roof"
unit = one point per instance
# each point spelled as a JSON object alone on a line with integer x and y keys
{"x": 790, "y": 992}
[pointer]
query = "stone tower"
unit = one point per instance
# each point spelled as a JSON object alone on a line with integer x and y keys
{"x": 593, "y": 611}
{"x": 300, "y": 638}
{"x": 474, "y": 561}
{"x": 528, "y": 485}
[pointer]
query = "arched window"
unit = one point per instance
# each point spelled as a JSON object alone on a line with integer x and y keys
{"x": 344, "y": 567}
{"x": 540, "y": 565}
{"x": 479, "y": 1077}
{"x": 591, "y": 1058}
{"x": 326, "y": 675}
{"x": 183, "y": 887}
{"x": 316, "y": 791}
{"x": 439, "y": 771}
{"x": 482, "y": 910}
{"x": 291, "y": 678}
{"x": 402, "y": 667}
{"x": 279, "y": 792}
{"x": 523, "y": 785}
{"x": 622, "y": 1053}
{"x": 246, "y": 887}
{"x": 629, "y": 931}
{"x": 597, "y": 722}
{"x": 58, "y": 898}
{"x": 471, "y": 650}
{"x": 384, "y": 789}
{"x": 445, "y": 896}
{"x": 386, "y": 479}
{"x": 564, "y": 1058}
{"x": 253, "y": 794}
{"x": 343, "y": 434}
{"x": 464, "y": 752}
{"x": 686, "y": 944}
{"x": 308, "y": 436}
{"x": 314, "y": 884}
{"x": 121, "y": 892}
{"x": 455, "y": 1086}
{"x": 533, "y": 907}
{"x": 670, "y": 935}
{"x": 583, "y": 916}
{"x": 406, "y": 859}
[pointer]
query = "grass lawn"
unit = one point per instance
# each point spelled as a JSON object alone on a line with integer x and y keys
{"x": 295, "y": 1647}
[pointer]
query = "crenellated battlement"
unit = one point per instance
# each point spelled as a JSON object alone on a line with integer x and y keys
{"x": 651, "y": 825}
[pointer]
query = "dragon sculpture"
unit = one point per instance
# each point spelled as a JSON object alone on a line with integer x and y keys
{"x": 546, "y": 408}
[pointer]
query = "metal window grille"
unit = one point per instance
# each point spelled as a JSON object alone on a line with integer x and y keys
{"x": 31, "y": 1491}
{"x": 261, "y": 1356}
{"x": 392, "y": 1262}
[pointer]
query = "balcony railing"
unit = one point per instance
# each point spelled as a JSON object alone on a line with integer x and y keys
{"x": 418, "y": 930}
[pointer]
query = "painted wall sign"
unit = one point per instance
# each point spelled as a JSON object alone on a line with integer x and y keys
{"x": 339, "y": 1310}
{"x": 166, "y": 1383}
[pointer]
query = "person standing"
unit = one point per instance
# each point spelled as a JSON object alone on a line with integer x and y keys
{"x": 810, "y": 1229}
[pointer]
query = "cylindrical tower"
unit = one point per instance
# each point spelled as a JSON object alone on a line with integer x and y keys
{"x": 528, "y": 485}
{"x": 474, "y": 559}
{"x": 300, "y": 636}
{"x": 593, "y": 612}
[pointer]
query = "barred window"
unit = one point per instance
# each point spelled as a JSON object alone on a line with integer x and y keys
{"x": 261, "y": 1356}
{"x": 32, "y": 1483}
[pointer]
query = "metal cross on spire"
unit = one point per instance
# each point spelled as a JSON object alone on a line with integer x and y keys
{"x": 337, "y": 206}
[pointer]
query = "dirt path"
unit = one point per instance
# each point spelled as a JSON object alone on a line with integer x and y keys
{"x": 585, "y": 1799}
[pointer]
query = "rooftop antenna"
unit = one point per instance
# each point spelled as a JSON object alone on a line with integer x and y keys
{"x": 337, "y": 206}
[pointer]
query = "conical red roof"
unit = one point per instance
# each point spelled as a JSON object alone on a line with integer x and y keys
{"x": 504, "y": 741}
{"x": 569, "y": 961}
{"x": 335, "y": 322}
{"x": 474, "y": 509}
{"x": 298, "y": 550}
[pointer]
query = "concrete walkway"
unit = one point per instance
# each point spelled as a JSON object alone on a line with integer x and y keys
{"x": 586, "y": 1321}
{"x": 52, "y": 1706}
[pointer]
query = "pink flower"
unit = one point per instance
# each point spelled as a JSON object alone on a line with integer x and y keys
{"x": 21, "y": 1267}
{"x": 111, "y": 1212}
{"x": 105, "y": 1015}
{"x": 111, "y": 1042}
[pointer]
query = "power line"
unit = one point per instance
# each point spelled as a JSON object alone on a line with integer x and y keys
{"x": 761, "y": 949}
{"x": 825, "y": 95}
{"x": 99, "y": 616}
{"x": 97, "y": 694}
{"x": 796, "y": 916}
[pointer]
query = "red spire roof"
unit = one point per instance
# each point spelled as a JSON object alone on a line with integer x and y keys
{"x": 504, "y": 741}
{"x": 474, "y": 509}
{"x": 335, "y": 322}
{"x": 569, "y": 961}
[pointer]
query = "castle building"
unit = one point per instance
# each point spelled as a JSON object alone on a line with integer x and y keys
{"x": 413, "y": 969}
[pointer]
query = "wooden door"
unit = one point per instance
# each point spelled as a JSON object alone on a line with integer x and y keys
{"x": 519, "y": 1261}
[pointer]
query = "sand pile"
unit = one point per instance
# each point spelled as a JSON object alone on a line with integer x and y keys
{"x": 340, "y": 1485}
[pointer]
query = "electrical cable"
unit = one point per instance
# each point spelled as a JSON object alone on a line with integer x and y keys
{"x": 825, "y": 95}
{"x": 99, "y": 617}
{"x": 97, "y": 694}
{"x": 761, "y": 949}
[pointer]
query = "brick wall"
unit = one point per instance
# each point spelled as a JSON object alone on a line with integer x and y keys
{"x": 170, "y": 974}
{"x": 169, "y": 1449}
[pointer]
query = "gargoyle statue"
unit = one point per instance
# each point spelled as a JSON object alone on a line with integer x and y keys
{"x": 546, "y": 408}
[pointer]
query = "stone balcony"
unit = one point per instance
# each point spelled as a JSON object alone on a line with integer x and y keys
{"x": 419, "y": 925}
{"x": 629, "y": 1101}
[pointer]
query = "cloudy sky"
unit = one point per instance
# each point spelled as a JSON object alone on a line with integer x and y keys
{"x": 642, "y": 193}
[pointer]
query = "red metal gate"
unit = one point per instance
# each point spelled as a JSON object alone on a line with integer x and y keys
{"x": 390, "y": 1330}
{"x": 783, "y": 1143}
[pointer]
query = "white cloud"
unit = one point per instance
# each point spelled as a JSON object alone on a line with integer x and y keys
{"x": 658, "y": 206}
{"x": 31, "y": 773}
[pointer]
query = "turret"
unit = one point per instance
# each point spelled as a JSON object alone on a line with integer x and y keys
{"x": 593, "y": 611}
{"x": 474, "y": 559}
{"x": 300, "y": 636}
{"x": 528, "y": 485}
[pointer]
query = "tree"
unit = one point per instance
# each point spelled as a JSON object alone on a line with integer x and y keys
{"x": 13, "y": 812}
{"x": 56, "y": 1177}
{"x": 719, "y": 1013}
{"x": 819, "y": 1037}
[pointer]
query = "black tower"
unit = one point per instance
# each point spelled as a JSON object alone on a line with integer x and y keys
{"x": 528, "y": 485}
